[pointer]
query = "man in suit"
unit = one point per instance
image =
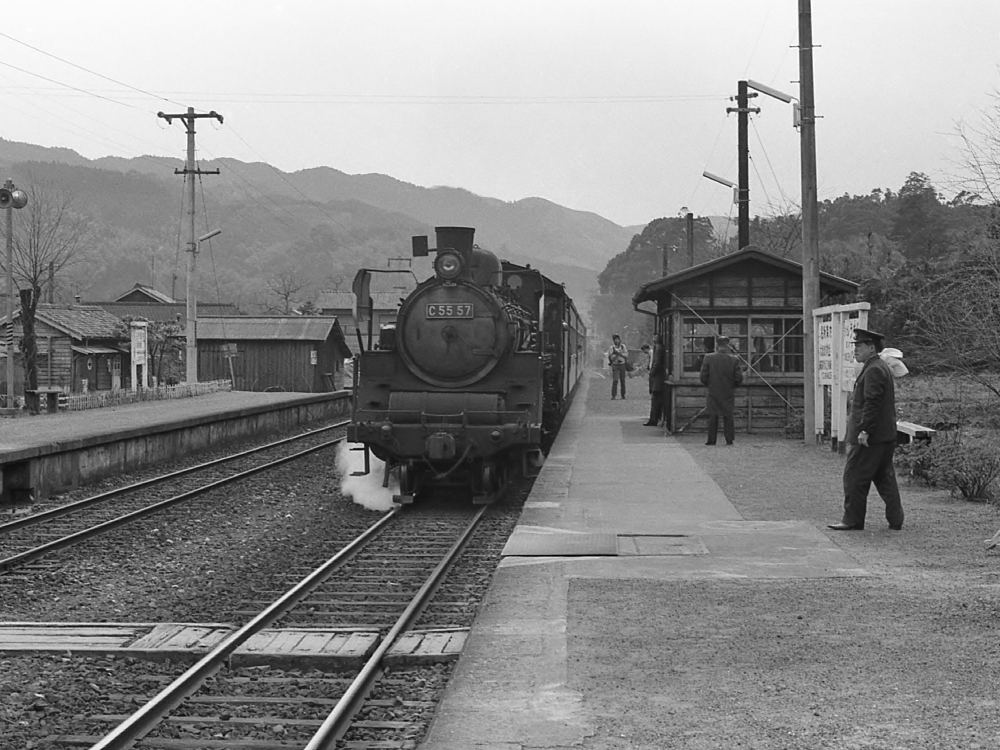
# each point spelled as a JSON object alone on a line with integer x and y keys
{"x": 657, "y": 387}
{"x": 721, "y": 372}
{"x": 871, "y": 437}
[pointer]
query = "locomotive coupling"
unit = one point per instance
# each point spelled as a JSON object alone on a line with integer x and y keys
{"x": 441, "y": 445}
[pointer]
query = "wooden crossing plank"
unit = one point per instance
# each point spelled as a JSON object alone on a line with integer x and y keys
{"x": 359, "y": 644}
{"x": 407, "y": 643}
{"x": 434, "y": 643}
{"x": 427, "y": 647}
{"x": 316, "y": 643}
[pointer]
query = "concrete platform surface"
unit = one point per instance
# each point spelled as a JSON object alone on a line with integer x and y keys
{"x": 615, "y": 501}
{"x": 18, "y": 434}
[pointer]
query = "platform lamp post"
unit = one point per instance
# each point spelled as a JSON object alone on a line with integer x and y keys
{"x": 728, "y": 184}
{"x": 191, "y": 349}
{"x": 11, "y": 198}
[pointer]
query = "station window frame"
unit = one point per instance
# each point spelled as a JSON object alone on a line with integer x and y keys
{"x": 772, "y": 344}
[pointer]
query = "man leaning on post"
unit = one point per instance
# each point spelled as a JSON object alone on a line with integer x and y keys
{"x": 871, "y": 438}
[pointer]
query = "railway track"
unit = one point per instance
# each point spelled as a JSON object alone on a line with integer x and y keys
{"x": 211, "y": 706}
{"x": 53, "y": 527}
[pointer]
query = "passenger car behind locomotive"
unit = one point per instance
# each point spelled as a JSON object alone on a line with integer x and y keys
{"x": 476, "y": 374}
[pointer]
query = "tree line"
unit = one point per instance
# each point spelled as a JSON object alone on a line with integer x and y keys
{"x": 929, "y": 265}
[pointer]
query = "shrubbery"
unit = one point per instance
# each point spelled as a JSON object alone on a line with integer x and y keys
{"x": 954, "y": 462}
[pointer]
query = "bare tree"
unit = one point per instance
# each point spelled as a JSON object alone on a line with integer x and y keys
{"x": 980, "y": 163}
{"x": 285, "y": 284}
{"x": 49, "y": 238}
{"x": 960, "y": 317}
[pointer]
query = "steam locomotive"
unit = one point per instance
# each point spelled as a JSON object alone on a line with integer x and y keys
{"x": 474, "y": 377}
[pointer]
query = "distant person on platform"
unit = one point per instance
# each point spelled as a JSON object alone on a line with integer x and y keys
{"x": 617, "y": 357}
{"x": 642, "y": 365}
{"x": 721, "y": 372}
{"x": 871, "y": 438}
{"x": 657, "y": 387}
{"x": 709, "y": 345}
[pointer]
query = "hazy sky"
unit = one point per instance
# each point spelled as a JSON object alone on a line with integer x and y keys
{"x": 611, "y": 107}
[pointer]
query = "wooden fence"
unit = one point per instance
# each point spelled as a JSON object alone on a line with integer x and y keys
{"x": 100, "y": 399}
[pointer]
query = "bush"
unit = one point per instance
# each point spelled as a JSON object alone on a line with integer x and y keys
{"x": 953, "y": 463}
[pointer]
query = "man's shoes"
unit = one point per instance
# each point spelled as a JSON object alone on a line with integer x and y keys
{"x": 709, "y": 443}
{"x": 895, "y": 526}
{"x": 729, "y": 442}
{"x": 845, "y": 527}
{"x": 649, "y": 424}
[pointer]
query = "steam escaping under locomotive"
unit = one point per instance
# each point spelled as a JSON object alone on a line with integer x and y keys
{"x": 475, "y": 376}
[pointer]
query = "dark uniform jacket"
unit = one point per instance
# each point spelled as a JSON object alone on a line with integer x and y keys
{"x": 657, "y": 368}
{"x": 873, "y": 405}
{"x": 721, "y": 372}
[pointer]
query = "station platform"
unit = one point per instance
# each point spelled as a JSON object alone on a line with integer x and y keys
{"x": 620, "y": 522}
{"x": 43, "y": 453}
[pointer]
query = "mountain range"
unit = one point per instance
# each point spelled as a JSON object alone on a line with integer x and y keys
{"x": 309, "y": 229}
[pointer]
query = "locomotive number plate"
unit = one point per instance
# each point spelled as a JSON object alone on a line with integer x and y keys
{"x": 442, "y": 310}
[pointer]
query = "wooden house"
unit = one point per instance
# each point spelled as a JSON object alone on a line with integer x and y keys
{"x": 80, "y": 348}
{"x": 754, "y": 298}
{"x": 261, "y": 353}
{"x": 144, "y": 294}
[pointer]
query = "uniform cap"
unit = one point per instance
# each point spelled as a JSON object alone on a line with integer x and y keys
{"x": 862, "y": 336}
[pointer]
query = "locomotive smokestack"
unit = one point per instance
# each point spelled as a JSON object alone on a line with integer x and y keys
{"x": 457, "y": 238}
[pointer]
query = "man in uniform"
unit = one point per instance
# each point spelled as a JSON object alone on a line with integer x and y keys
{"x": 871, "y": 438}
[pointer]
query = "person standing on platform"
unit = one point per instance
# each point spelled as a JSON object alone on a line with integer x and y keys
{"x": 871, "y": 438}
{"x": 642, "y": 366}
{"x": 657, "y": 387}
{"x": 721, "y": 372}
{"x": 617, "y": 357}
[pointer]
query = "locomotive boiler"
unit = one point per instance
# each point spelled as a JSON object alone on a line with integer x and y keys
{"x": 473, "y": 377}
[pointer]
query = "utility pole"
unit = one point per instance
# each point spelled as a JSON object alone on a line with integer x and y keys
{"x": 743, "y": 110}
{"x": 810, "y": 220}
{"x": 9, "y": 186}
{"x": 689, "y": 227}
{"x": 10, "y": 198}
{"x": 191, "y": 350}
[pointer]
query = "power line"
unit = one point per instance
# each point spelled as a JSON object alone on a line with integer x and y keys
{"x": 86, "y": 70}
{"x": 74, "y": 88}
{"x": 321, "y": 99}
{"x": 66, "y": 124}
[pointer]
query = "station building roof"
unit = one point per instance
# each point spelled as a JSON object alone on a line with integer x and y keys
{"x": 654, "y": 290}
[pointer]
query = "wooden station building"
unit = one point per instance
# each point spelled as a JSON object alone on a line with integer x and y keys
{"x": 755, "y": 299}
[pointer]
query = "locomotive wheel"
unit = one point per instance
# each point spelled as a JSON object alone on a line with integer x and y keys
{"x": 407, "y": 479}
{"x": 489, "y": 478}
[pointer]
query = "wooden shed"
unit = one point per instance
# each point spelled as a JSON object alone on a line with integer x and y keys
{"x": 754, "y": 298}
{"x": 80, "y": 348}
{"x": 259, "y": 353}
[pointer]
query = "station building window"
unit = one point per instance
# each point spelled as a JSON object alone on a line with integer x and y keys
{"x": 769, "y": 344}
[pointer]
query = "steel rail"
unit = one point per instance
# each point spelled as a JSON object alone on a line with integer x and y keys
{"x": 86, "y": 502}
{"x": 146, "y": 718}
{"x": 80, "y": 536}
{"x": 338, "y": 722}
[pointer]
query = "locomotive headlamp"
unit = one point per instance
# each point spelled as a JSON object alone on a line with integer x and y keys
{"x": 448, "y": 264}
